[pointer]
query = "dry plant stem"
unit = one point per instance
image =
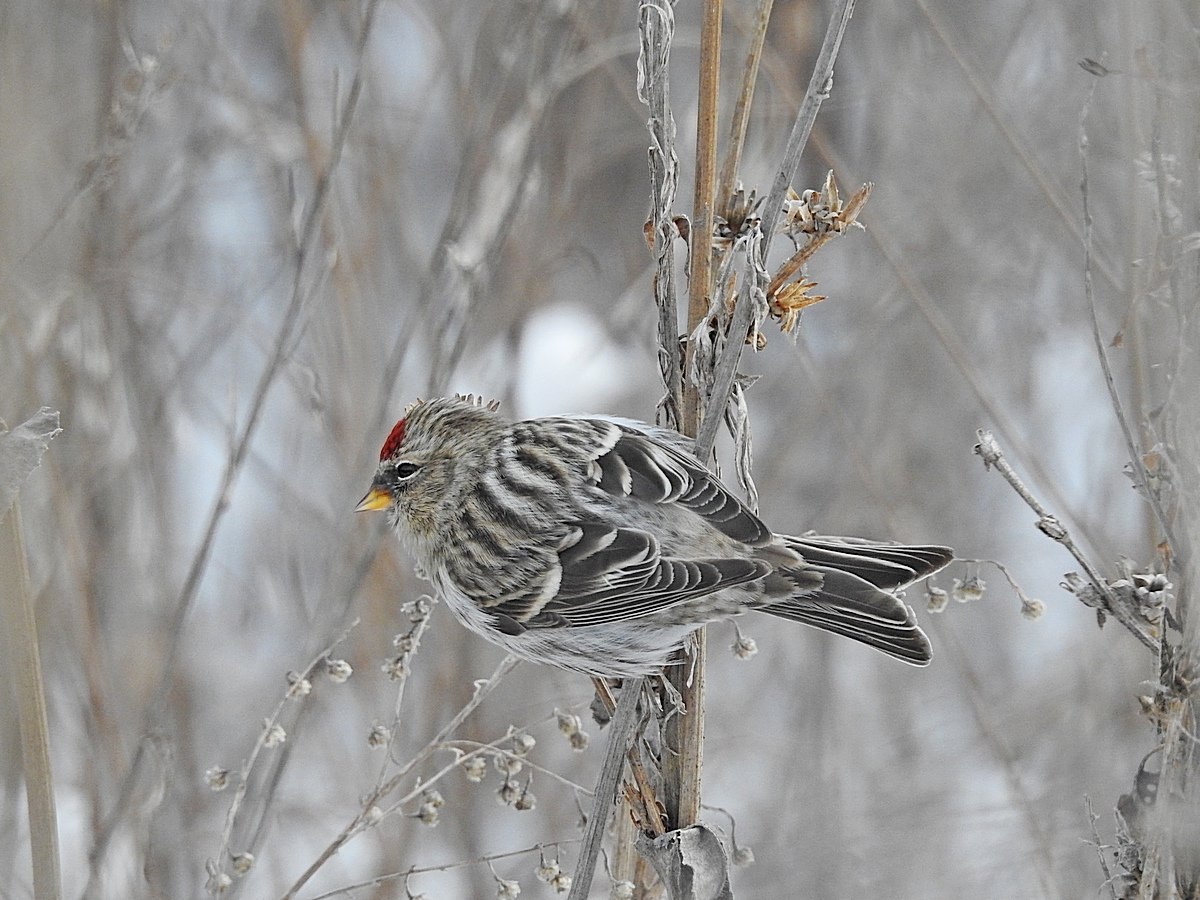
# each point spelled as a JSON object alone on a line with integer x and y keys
{"x": 260, "y": 744}
{"x": 361, "y": 820}
{"x": 798, "y": 259}
{"x": 483, "y": 690}
{"x": 989, "y": 451}
{"x": 743, "y": 316}
{"x": 741, "y": 110}
{"x": 819, "y": 87}
{"x": 289, "y": 328}
{"x": 1135, "y": 458}
{"x": 683, "y": 733}
{"x": 656, "y": 24}
{"x": 24, "y": 668}
{"x": 703, "y": 214}
{"x": 621, "y": 729}
{"x": 647, "y": 808}
{"x": 380, "y": 880}
{"x": 1108, "y": 875}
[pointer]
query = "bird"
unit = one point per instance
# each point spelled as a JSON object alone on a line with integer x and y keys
{"x": 599, "y": 544}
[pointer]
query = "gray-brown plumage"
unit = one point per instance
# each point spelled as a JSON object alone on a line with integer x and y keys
{"x": 598, "y": 544}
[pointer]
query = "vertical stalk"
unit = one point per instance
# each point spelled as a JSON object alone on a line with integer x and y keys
{"x": 684, "y": 754}
{"x": 25, "y": 672}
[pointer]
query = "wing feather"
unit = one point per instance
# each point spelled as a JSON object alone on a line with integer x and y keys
{"x": 662, "y": 474}
{"x": 614, "y": 574}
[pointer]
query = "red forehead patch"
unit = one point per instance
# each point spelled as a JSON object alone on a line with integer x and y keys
{"x": 392, "y": 444}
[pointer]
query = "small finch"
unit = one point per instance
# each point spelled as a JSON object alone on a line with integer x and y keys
{"x": 599, "y": 544}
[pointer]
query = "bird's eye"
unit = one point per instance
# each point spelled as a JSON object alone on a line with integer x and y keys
{"x": 406, "y": 470}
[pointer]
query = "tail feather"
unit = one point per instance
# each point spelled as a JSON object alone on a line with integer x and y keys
{"x": 854, "y": 599}
{"x": 888, "y": 566}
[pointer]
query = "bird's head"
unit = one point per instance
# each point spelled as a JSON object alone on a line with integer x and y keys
{"x": 415, "y": 480}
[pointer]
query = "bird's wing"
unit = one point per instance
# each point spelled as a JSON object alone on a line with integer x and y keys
{"x": 611, "y": 574}
{"x": 638, "y": 465}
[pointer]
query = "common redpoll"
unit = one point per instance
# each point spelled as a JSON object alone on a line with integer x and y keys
{"x": 599, "y": 544}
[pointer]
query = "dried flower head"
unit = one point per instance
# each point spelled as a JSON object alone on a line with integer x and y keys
{"x": 509, "y": 792}
{"x": 275, "y": 734}
{"x": 218, "y": 882}
{"x": 968, "y": 589}
{"x": 621, "y": 890}
{"x": 475, "y": 768}
{"x": 373, "y": 815}
{"x": 378, "y": 736}
{"x": 506, "y": 764}
{"x": 404, "y": 643}
{"x": 936, "y": 599}
{"x": 242, "y": 863}
{"x": 739, "y": 220}
{"x": 743, "y": 856}
{"x": 1152, "y": 588}
{"x": 338, "y": 670}
{"x": 743, "y": 647}
{"x": 397, "y": 668}
{"x": 507, "y": 890}
{"x": 789, "y": 301}
{"x": 819, "y": 212}
{"x": 298, "y": 685}
{"x": 428, "y": 814}
{"x": 1031, "y": 608}
{"x": 216, "y": 778}
{"x": 568, "y": 723}
{"x": 522, "y": 743}
{"x": 546, "y": 871}
{"x": 417, "y": 610}
{"x": 526, "y": 801}
{"x": 572, "y": 726}
{"x": 561, "y": 883}
{"x": 434, "y": 798}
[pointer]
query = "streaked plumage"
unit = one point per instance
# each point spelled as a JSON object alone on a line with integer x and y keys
{"x": 599, "y": 544}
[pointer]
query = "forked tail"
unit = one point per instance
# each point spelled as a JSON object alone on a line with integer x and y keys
{"x": 855, "y": 598}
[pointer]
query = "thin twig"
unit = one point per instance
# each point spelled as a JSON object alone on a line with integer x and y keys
{"x": 261, "y": 743}
{"x": 819, "y": 86}
{"x": 1099, "y": 845}
{"x": 794, "y": 263}
{"x": 380, "y": 880}
{"x": 989, "y": 451}
{"x": 365, "y": 817}
{"x": 1135, "y": 458}
{"x": 741, "y": 110}
{"x": 621, "y": 730}
{"x": 24, "y": 670}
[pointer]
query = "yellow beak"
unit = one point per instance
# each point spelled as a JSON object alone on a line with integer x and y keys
{"x": 377, "y": 498}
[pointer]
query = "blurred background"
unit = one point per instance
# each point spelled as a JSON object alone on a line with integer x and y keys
{"x": 235, "y": 241}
